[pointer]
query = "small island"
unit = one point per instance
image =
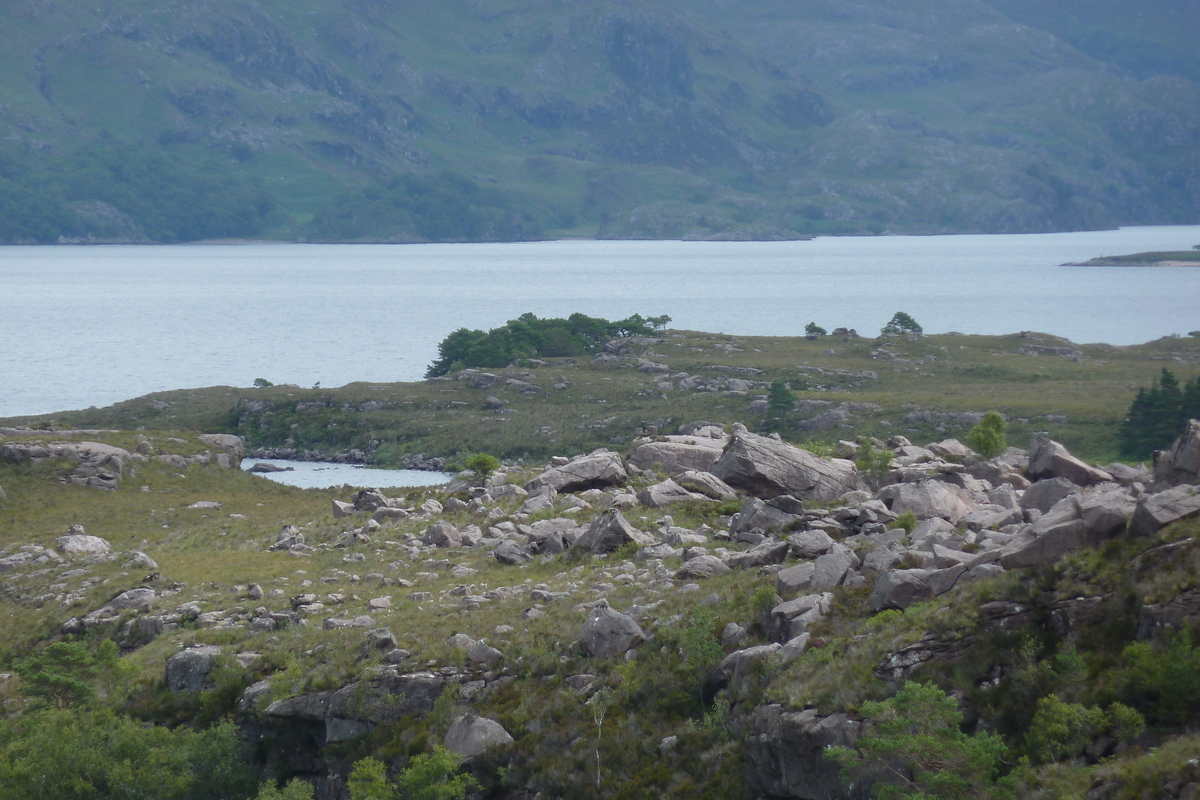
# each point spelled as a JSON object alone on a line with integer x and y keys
{"x": 1161, "y": 258}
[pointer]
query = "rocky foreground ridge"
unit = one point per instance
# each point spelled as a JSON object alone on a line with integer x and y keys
{"x": 447, "y": 612}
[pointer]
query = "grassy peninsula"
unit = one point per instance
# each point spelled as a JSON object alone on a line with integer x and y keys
{"x": 1157, "y": 258}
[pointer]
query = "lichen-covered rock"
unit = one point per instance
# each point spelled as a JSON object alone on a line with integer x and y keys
{"x": 678, "y": 454}
{"x": 1156, "y": 511}
{"x": 77, "y": 544}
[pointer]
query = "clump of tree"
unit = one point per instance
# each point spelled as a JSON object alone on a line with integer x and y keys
{"x": 813, "y": 329}
{"x": 902, "y": 323}
{"x": 916, "y": 750}
{"x": 1158, "y": 415}
{"x": 527, "y": 336}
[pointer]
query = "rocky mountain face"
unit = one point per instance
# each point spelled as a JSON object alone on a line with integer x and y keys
{"x": 691, "y": 118}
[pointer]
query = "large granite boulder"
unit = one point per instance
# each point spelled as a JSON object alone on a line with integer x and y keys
{"x": 609, "y": 633}
{"x": 1180, "y": 464}
{"x": 701, "y": 567}
{"x": 1044, "y": 494}
{"x": 81, "y": 544}
{"x": 1156, "y": 511}
{"x": 666, "y": 493}
{"x": 471, "y": 735}
{"x": 676, "y": 454}
{"x": 188, "y": 670}
{"x": 792, "y": 618}
{"x": 610, "y": 531}
{"x": 767, "y": 468}
{"x": 707, "y": 484}
{"x": 596, "y": 470}
{"x": 1049, "y": 459}
{"x": 928, "y": 498}
{"x": 443, "y": 534}
{"x": 775, "y": 514}
{"x": 901, "y": 588}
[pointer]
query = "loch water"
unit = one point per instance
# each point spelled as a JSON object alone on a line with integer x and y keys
{"x": 93, "y": 325}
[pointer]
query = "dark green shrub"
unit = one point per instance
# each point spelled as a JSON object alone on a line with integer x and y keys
{"x": 988, "y": 437}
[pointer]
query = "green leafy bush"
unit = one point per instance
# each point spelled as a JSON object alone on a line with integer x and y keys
{"x": 482, "y": 464}
{"x": 988, "y": 437}
{"x": 813, "y": 329}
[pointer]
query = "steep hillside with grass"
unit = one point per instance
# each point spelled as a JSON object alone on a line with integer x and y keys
{"x": 512, "y": 120}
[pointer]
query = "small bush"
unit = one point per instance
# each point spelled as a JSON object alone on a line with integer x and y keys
{"x": 481, "y": 464}
{"x": 988, "y": 437}
{"x": 813, "y": 329}
{"x": 907, "y": 521}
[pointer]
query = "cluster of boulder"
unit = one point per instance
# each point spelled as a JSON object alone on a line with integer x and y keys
{"x": 102, "y": 466}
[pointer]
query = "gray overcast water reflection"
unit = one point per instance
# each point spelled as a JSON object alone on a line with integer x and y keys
{"x": 83, "y": 326}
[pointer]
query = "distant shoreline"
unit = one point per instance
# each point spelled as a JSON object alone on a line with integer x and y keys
{"x": 1165, "y": 258}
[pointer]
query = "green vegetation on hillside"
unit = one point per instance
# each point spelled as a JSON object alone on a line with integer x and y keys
{"x": 1158, "y": 414}
{"x": 529, "y": 337}
{"x": 647, "y": 120}
{"x": 111, "y": 190}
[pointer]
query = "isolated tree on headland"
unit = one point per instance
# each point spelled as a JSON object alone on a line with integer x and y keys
{"x": 902, "y": 323}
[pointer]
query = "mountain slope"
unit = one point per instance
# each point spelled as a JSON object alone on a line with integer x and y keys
{"x": 690, "y": 118}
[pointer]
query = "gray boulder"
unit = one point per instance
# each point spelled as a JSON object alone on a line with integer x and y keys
{"x": 793, "y": 580}
{"x": 928, "y": 498}
{"x": 771, "y": 515}
{"x": 1156, "y": 511}
{"x": 471, "y": 735}
{"x": 707, "y": 484}
{"x": 767, "y": 468}
{"x": 810, "y": 544}
{"x": 666, "y": 493}
{"x": 596, "y": 470}
{"x": 442, "y": 534}
{"x": 701, "y": 567}
{"x": 610, "y": 531}
{"x": 1044, "y": 494}
{"x": 607, "y": 633}
{"x": 679, "y": 454}
{"x": 792, "y": 618}
{"x": 762, "y": 554}
{"x": 378, "y": 642}
{"x": 785, "y": 752}
{"x": 188, "y": 670}
{"x": 1181, "y": 464}
{"x": 79, "y": 544}
{"x": 734, "y": 670}
{"x": 901, "y": 588}
{"x": 1049, "y": 459}
{"x": 513, "y": 554}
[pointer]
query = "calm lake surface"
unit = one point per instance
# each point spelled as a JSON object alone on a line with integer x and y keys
{"x": 83, "y": 326}
{"x": 324, "y": 475}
